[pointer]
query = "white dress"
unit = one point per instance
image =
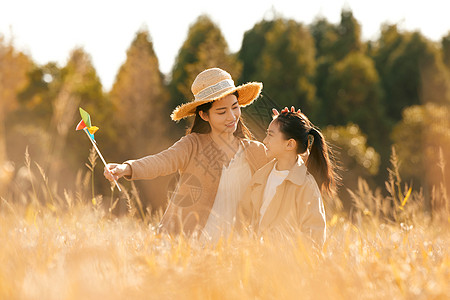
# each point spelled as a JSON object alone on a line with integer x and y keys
{"x": 233, "y": 182}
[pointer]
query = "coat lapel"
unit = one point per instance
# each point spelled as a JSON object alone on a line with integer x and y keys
{"x": 272, "y": 211}
{"x": 257, "y": 185}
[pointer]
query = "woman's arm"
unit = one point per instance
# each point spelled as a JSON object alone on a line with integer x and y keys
{"x": 164, "y": 163}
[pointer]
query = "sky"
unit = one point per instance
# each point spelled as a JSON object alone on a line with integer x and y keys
{"x": 48, "y": 30}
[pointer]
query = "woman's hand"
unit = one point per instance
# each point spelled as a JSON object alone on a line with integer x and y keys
{"x": 276, "y": 113}
{"x": 115, "y": 171}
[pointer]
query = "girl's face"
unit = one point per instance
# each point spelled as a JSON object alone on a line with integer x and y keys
{"x": 275, "y": 141}
{"x": 223, "y": 115}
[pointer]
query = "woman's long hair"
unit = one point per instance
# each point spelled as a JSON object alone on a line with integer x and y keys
{"x": 201, "y": 126}
{"x": 294, "y": 125}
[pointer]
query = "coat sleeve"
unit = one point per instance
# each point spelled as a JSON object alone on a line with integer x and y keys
{"x": 164, "y": 163}
{"x": 312, "y": 213}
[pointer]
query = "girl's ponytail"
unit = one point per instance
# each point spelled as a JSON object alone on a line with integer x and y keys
{"x": 319, "y": 163}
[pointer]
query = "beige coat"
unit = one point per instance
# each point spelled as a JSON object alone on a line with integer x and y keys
{"x": 199, "y": 161}
{"x": 297, "y": 204}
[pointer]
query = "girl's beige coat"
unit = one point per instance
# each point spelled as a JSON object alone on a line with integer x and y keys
{"x": 297, "y": 204}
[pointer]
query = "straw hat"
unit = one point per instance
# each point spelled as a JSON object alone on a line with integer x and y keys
{"x": 213, "y": 84}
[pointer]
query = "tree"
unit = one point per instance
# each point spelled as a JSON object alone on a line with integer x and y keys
{"x": 353, "y": 94}
{"x": 287, "y": 64}
{"x": 205, "y": 47}
{"x": 349, "y": 36}
{"x": 434, "y": 78}
{"x": 325, "y": 37}
{"x": 14, "y": 66}
{"x": 253, "y": 43}
{"x": 418, "y": 137}
{"x": 445, "y": 44}
{"x": 35, "y": 100}
{"x": 411, "y": 69}
{"x": 78, "y": 86}
{"x": 30, "y": 124}
{"x": 140, "y": 99}
{"x": 333, "y": 43}
{"x": 355, "y": 158}
{"x": 141, "y": 112}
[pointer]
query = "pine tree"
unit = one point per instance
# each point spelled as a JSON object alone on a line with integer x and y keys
{"x": 356, "y": 158}
{"x": 353, "y": 94}
{"x": 140, "y": 100}
{"x": 325, "y": 36}
{"x": 253, "y": 44}
{"x": 420, "y": 137}
{"x": 334, "y": 43}
{"x": 78, "y": 86}
{"x": 445, "y": 44}
{"x": 35, "y": 100}
{"x": 205, "y": 47}
{"x": 14, "y": 66}
{"x": 141, "y": 114}
{"x": 348, "y": 36}
{"x": 287, "y": 64}
{"x": 411, "y": 69}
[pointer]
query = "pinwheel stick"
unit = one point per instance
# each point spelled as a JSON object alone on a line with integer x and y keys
{"x": 101, "y": 156}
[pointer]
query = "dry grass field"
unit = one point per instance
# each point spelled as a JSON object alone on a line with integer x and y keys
{"x": 70, "y": 246}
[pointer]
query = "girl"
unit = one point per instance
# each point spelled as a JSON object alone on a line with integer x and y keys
{"x": 285, "y": 194}
{"x": 215, "y": 159}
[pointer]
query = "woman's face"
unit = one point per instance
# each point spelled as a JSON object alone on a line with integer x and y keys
{"x": 223, "y": 115}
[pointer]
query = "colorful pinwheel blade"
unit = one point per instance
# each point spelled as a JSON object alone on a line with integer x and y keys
{"x": 93, "y": 129}
{"x": 90, "y": 134}
{"x": 86, "y": 117}
{"x": 81, "y": 125}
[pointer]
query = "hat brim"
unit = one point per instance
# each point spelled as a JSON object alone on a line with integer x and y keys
{"x": 248, "y": 93}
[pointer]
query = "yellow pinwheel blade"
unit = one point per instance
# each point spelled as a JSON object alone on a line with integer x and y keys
{"x": 93, "y": 129}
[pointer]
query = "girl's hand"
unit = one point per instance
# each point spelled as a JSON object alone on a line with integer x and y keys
{"x": 276, "y": 113}
{"x": 115, "y": 171}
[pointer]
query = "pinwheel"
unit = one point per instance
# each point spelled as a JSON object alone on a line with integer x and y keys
{"x": 86, "y": 126}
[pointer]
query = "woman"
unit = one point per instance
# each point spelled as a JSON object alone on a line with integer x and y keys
{"x": 215, "y": 159}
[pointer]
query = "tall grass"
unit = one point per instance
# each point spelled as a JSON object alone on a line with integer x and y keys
{"x": 70, "y": 247}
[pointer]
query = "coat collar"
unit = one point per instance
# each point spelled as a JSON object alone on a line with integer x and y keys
{"x": 297, "y": 174}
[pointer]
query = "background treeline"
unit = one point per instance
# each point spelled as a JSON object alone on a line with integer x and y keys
{"x": 365, "y": 96}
